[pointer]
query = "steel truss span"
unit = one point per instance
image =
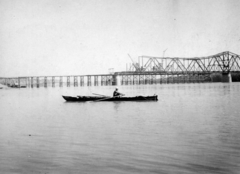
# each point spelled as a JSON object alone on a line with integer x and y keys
{"x": 148, "y": 70}
{"x": 224, "y": 62}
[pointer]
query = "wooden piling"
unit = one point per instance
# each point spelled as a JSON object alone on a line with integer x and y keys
{"x": 89, "y": 82}
{"x": 75, "y": 81}
{"x": 61, "y": 81}
{"x": 82, "y": 80}
{"x": 45, "y": 82}
{"x": 53, "y": 81}
{"x": 68, "y": 81}
{"x": 38, "y": 82}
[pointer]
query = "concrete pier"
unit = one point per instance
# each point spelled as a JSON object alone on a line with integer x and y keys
{"x": 226, "y": 77}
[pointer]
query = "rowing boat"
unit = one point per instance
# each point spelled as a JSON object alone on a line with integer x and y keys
{"x": 97, "y": 98}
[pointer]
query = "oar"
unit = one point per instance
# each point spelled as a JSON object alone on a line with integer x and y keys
{"x": 122, "y": 94}
{"x": 108, "y": 98}
{"x": 102, "y": 99}
{"x": 101, "y": 95}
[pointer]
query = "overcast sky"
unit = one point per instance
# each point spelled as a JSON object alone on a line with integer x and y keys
{"x": 77, "y": 37}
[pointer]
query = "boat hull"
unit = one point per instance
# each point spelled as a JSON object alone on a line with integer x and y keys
{"x": 93, "y": 98}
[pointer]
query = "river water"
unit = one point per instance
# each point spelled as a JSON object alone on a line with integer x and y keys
{"x": 192, "y": 128}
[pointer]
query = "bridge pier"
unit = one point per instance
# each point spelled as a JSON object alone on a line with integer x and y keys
{"x": 135, "y": 79}
{"x": 153, "y": 79}
{"x": 68, "y": 81}
{"x": 171, "y": 80}
{"x": 89, "y": 81}
{"x": 82, "y": 80}
{"x": 194, "y": 78}
{"x": 183, "y": 78}
{"x": 75, "y": 81}
{"x": 168, "y": 78}
{"x": 45, "y": 82}
{"x": 129, "y": 80}
{"x": 19, "y": 82}
{"x": 160, "y": 79}
{"x": 147, "y": 77}
{"x": 226, "y": 77}
{"x": 61, "y": 82}
{"x": 37, "y": 82}
{"x": 28, "y": 80}
{"x": 109, "y": 80}
{"x": 53, "y": 81}
{"x": 114, "y": 80}
{"x": 31, "y": 82}
{"x": 95, "y": 80}
{"x": 124, "y": 80}
{"x": 102, "y": 80}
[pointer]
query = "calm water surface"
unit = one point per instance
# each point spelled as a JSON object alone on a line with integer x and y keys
{"x": 193, "y": 128}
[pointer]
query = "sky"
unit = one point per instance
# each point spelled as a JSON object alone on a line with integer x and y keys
{"x": 80, "y": 37}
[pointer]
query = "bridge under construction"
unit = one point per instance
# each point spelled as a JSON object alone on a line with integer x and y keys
{"x": 148, "y": 70}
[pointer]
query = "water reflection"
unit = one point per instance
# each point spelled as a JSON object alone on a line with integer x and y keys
{"x": 116, "y": 105}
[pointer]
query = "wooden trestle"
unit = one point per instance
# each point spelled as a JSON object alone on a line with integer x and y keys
{"x": 104, "y": 80}
{"x": 148, "y": 70}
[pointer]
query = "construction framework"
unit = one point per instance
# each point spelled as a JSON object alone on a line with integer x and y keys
{"x": 224, "y": 62}
{"x": 148, "y": 70}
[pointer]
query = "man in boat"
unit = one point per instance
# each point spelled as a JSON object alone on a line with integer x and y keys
{"x": 116, "y": 93}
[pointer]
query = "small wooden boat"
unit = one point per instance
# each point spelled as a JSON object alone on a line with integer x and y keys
{"x": 97, "y": 98}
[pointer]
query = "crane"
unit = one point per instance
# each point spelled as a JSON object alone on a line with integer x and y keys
{"x": 136, "y": 65}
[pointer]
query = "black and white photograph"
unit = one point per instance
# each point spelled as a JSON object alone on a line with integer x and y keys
{"x": 119, "y": 86}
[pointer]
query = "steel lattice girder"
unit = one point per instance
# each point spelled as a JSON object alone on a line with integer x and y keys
{"x": 222, "y": 62}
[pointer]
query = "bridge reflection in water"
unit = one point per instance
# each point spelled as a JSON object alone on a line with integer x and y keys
{"x": 148, "y": 70}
